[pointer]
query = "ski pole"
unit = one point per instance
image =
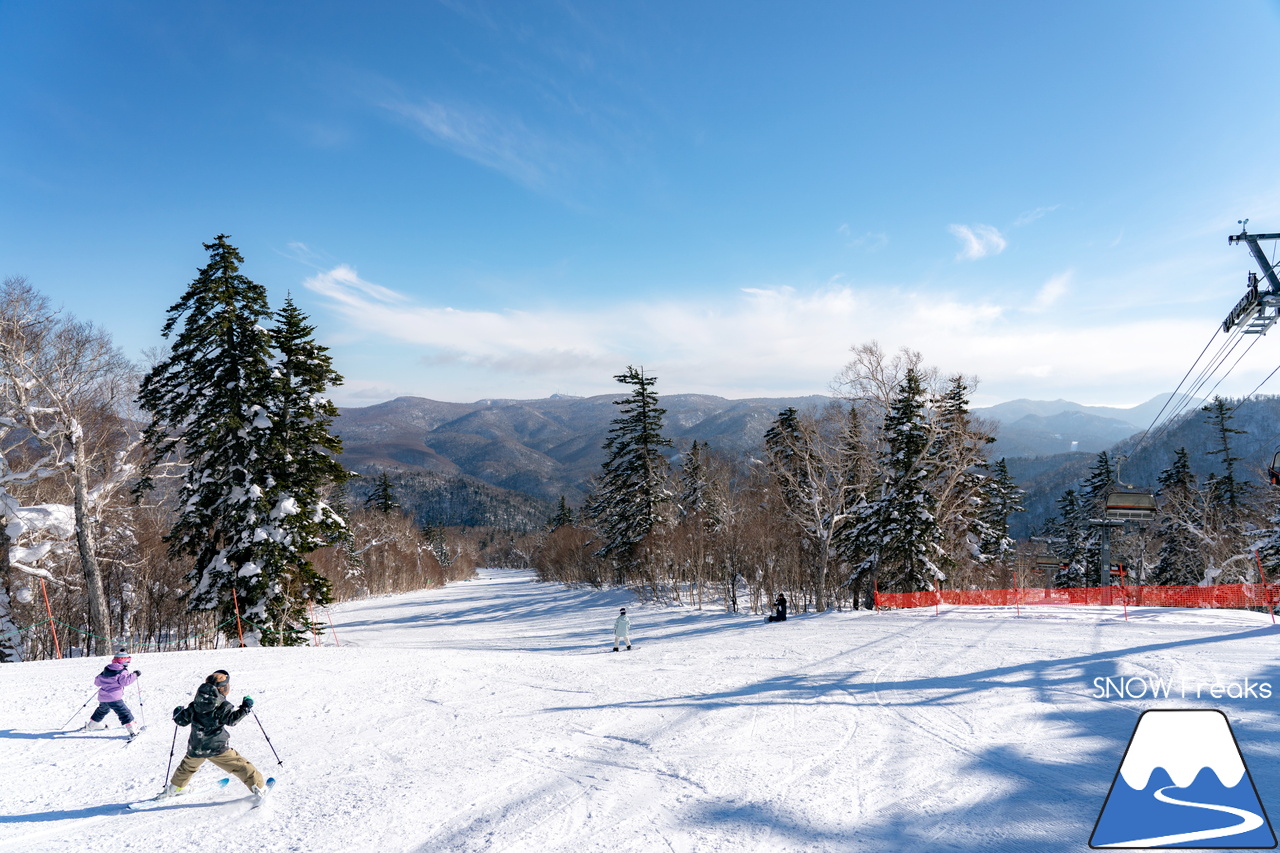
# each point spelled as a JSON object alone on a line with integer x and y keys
{"x": 279, "y": 760}
{"x": 142, "y": 709}
{"x": 172, "y": 746}
{"x": 81, "y": 708}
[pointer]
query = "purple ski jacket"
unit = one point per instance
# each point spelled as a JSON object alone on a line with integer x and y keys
{"x": 112, "y": 681}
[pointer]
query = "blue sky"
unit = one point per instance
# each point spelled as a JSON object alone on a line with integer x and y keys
{"x": 479, "y": 200}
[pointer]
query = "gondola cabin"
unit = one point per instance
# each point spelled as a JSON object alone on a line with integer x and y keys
{"x": 1131, "y": 506}
{"x": 1273, "y": 470}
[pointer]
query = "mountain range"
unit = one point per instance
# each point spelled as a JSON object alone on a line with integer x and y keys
{"x": 504, "y": 461}
{"x": 545, "y": 448}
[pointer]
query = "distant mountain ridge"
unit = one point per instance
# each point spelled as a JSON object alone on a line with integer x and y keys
{"x": 514, "y": 458}
{"x": 545, "y": 448}
{"x": 1043, "y": 427}
{"x": 1139, "y": 416}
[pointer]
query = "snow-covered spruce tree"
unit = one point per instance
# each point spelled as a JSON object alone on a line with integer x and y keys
{"x": 438, "y": 544}
{"x": 630, "y": 497}
{"x": 899, "y": 528}
{"x": 304, "y": 471}
{"x": 1068, "y": 539}
{"x": 1179, "y": 561}
{"x": 1000, "y": 498}
{"x": 959, "y": 451}
{"x": 700, "y": 496}
{"x": 1093, "y": 506}
{"x": 218, "y": 404}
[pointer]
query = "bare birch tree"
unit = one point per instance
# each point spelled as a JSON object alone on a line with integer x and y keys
{"x": 64, "y": 388}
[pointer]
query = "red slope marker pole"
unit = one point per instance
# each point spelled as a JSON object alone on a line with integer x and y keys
{"x": 53, "y": 626}
{"x": 235, "y": 599}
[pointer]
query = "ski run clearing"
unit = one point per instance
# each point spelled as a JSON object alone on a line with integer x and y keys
{"x": 491, "y": 715}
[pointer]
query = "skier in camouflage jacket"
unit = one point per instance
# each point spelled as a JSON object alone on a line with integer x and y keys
{"x": 208, "y": 716}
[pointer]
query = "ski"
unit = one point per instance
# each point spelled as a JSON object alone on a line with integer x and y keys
{"x": 262, "y": 798}
{"x": 131, "y": 738}
{"x": 161, "y": 799}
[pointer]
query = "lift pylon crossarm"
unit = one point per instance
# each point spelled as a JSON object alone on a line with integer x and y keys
{"x": 1260, "y": 256}
{"x": 1257, "y": 311}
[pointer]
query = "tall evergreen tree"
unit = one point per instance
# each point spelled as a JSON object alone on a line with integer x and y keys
{"x": 900, "y": 526}
{"x": 630, "y": 498}
{"x": 699, "y": 496}
{"x": 1069, "y": 538}
{"x": 959, "y": 450}
{"x": 563, "y": 516}
{"x": 1000, "y": 498}
{"x": 1229, "y": 490}
{"x": 439, "y": 544}
{"x": 1092, "y": 507}
{"x": 218, "y": 405}
{"x": 796, "y": 463}
{"x": 383, "y": 497}
{"x": 304, "y": 470}
{"x": 1179, "y": 561}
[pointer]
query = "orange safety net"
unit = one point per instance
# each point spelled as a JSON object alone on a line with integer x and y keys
{"x": 1225, "y": 595}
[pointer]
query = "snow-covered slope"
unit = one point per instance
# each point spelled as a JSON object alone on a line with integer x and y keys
{"x": 491, "y": 715}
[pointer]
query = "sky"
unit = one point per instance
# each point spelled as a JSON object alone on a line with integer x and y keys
{"x": 513, "y": 200}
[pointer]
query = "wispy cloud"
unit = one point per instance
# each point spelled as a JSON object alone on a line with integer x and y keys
{"x": 870, "y": 241}
{"x": 498, "y": 141}
{"x": 1049, "y": 294}
{"x": 345, "y": 288}
{"x": 977, "y": 241}
{"x": 1027, "y": 217}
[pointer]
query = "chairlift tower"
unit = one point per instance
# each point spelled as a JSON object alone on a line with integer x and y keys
{"x": 1258, "y": 310}
{"x": 1125, "y": 505}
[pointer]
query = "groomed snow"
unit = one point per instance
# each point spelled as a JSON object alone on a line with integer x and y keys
{"x": 491, "y": 715}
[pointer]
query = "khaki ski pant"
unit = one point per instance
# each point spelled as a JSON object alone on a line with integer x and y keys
{"x": 230, "y": 761}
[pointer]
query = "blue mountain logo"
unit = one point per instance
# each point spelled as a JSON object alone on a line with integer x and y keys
{"x": 1182, "y": 783}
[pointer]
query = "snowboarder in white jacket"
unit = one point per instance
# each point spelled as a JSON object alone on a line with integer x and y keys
{"x": 622, "y": 630}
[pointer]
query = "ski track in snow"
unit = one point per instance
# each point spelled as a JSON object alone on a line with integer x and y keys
{"x": 491, "y": 716}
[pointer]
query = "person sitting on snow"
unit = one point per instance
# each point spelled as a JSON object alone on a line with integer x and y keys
{"x": 208, "y": 716}
{"x": 111, "y": 683}
{"x": 780, "y": 609}
{"x": 622, "y": 630}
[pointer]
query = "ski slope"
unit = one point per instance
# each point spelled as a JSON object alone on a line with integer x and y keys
{"x": 490, "y": 715}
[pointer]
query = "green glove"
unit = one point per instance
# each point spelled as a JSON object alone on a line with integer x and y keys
{"x": 247, "y": 702}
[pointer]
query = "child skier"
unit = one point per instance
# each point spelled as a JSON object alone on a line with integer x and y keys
{"x": 111, "y": 683}
{"x": 622, "y": 630}
{"x": 208, "y": 716}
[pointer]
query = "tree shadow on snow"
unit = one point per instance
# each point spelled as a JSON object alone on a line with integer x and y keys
{"x": 1042, "y": 794}
{"x": 484, "y": 604}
